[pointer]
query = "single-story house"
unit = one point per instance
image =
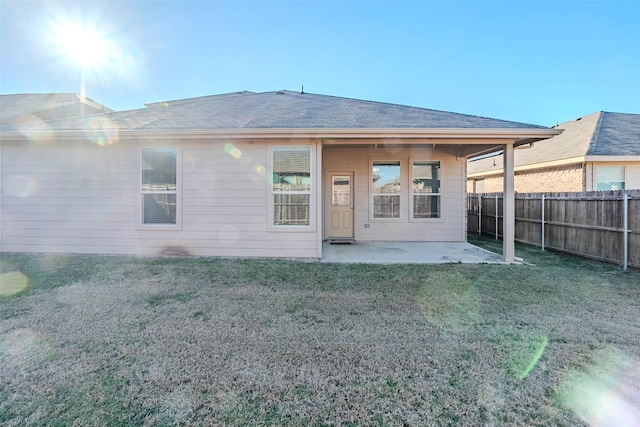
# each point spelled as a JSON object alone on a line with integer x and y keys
{"x": 269, "y": 174}
{"x": 600, "y": 151}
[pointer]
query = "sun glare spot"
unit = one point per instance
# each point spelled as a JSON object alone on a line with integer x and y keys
{"x": 36, "y": 131}
{"x": 82, "y": 43}
{"x": 99, "y": 50}
{"x": 228, "y": 235}
{"x": 233, "y": 151}
{"x": 21, "y": 186}
{"x": 102, "y": 131}
{"x": 13, "y": 283}
{"x": 455, "y": 309}
{"x": 606, "y": 392}
{"x": 189, "y": 164}
{"x": 208, "y": 181}
{"x": 259, "y": 169}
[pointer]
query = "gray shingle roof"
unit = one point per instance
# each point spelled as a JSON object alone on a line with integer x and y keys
{"x": 617, "y": 134}
{"x": 601, "y": 133}
{"x": 30, "y": 107}
{"x": 287, "y": 110}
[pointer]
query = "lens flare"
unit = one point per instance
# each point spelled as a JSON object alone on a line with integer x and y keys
{"x": 102, "y": 131}
{"x": 530, "y": 354}
{"x": 12, "y": 283}
{"x": 189, "y": 164}
{"x": 24, "y": 348}
{"x": 228, "y": 235}
{"x": 21, "y": 186}
{"x": 456, "y": 307}
{"x": 606, "y": 392}
{"x": 37, "y": 131}
{"x": 259, "y": 169}
{"x": 232, "y": 150}
{"x": 204, "y": 182}
{"x": 96, "y": 47}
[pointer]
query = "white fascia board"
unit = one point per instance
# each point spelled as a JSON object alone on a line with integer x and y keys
{"x": 609, "y": 159}
{"x": 471, "y": 136}
{"x": 554, "y": 163}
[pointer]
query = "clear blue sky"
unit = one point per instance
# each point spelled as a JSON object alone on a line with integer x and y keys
{"x": 535, "y": 62}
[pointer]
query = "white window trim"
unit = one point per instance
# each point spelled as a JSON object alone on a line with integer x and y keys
{"x": 411, "y": 194}
{"x": 139, "y": 209}
{"x": 271, "y": 226}
{"x": 403, "y": 197}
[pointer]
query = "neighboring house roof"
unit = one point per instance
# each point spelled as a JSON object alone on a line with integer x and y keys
{"x": 618, "y": 134}
{"x": 597, "y": 134}
{"x": 286, "y": 110}
{"x": 38, "y": 107}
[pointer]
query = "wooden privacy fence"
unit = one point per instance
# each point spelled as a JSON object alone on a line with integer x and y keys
{"x": 603, "y": 225}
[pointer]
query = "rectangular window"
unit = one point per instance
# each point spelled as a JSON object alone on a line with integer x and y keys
{"x": 291, "y": 185}
{"x": 341, "y": 191}
{"x": 425, "y": 178}
{"x": 610, "y": 178}
{"x": 386, "y": 189}
{"x": 159, "y": 186}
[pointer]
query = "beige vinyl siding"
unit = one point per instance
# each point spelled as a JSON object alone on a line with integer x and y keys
{"x": 450, "y": 227}
{"x": 57, "y": 195}
{"x": 633, "y": 176}
{"x": 77, "y": 197}
{"x": 225, "y": 202}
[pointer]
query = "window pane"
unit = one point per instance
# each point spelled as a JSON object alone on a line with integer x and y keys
{"x": 292, "y": 169}
{"x": 426, "y": 177}
{"x": 610, "y": 178}
{"x": 159, "y": 167}
{"x": 386, "y": 177}
{"x": 159, "y": 209}
{"x": 341, "y": 191}
{"x": 425, "y": 206}
{"x": 386, "y": 206}
{"x": 291, "y": 209}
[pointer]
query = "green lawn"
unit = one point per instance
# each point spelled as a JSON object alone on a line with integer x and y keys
{"x": 100, "y": 340}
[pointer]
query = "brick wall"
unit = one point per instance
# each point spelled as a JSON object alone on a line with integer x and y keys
{"x": 555, "y": 179}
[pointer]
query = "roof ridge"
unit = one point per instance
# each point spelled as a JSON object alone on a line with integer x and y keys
{"x": 401, "y": 105}
{"x": 578, "y": 118}
{"x": 181, "y": 100}
{"x": 593, "y": 143}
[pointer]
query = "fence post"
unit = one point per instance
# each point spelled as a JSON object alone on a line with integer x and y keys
{"x": 496, "y": 231}
{"x": 625, "y": 231}
{"x": 479, "y": 214}
{"x": 542, "y": 241}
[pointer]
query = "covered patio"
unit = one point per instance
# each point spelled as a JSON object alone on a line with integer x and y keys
{"x": 410, "y": 253}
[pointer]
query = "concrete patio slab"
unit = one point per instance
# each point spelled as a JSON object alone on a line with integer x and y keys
{"x": 409, "y": 253}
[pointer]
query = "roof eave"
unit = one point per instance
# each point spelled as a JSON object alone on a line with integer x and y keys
{"x": 519, "y": 136}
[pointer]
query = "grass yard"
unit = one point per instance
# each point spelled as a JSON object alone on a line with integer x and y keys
{"x": 95, "y": 340}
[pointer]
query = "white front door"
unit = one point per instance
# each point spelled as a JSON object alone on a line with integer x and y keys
{"x": 339, "y": 205}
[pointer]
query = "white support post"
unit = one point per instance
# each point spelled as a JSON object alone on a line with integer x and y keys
{"x": 508, "y": 206}
{"x": 319, "y": 183}
{"x": 542, "y": 239}
{"x": 625, "y": 232}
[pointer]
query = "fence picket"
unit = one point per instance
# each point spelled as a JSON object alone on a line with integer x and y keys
{"x": 602, "y": 225}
